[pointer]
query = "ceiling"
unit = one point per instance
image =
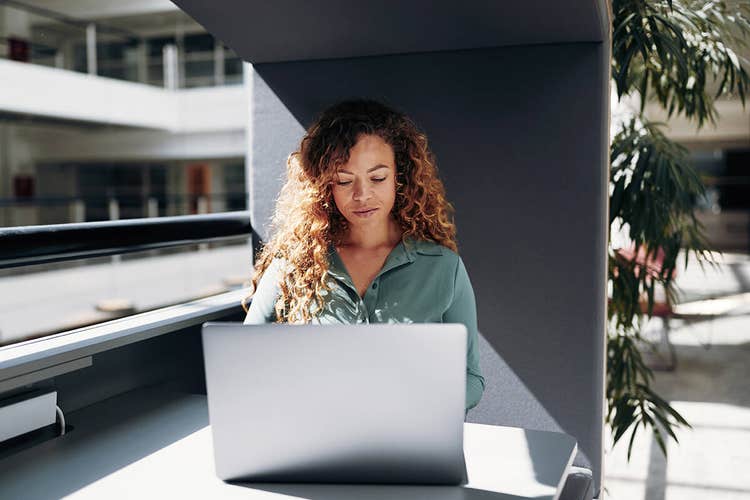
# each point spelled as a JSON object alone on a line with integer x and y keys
{"x": 289, "y": 30}
{"x": 98, "y": 9}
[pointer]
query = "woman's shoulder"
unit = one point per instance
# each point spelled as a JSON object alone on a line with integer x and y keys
{"x": 275, "y": 266}
{"x": 274, "y": 273}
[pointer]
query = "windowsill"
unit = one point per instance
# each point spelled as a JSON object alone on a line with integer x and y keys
{"x": 39, "y": 354}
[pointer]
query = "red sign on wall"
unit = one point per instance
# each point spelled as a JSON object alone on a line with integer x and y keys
{"x": 18, "y": 50}
{"x": 23, "y": 186}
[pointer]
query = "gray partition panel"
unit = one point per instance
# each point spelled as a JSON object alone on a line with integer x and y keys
{"x": 521, "y": 136}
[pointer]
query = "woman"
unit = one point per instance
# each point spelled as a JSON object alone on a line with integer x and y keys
{"x": 362, "y": 233}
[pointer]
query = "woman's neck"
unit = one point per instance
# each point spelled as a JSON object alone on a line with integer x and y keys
{"x": 370, "y": 238}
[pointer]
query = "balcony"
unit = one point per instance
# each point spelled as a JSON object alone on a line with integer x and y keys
{"x": 56, "y": 94}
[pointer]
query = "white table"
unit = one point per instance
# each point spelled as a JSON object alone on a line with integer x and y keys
{"x": 151, "y": 444}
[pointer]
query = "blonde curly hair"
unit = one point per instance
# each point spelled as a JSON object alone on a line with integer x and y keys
{"x": 307, "y": 223}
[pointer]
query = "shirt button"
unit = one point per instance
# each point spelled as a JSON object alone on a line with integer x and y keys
{"x": 374, "y": 286}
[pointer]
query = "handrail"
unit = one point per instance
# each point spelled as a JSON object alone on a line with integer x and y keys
{"x": 29, "y": 245}
{"x": 63, "y": 200}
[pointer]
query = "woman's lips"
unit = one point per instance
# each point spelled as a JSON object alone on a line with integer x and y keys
{"x": 365, "y": 213}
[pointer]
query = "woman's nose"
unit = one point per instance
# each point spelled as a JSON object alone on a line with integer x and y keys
{"x": 361, "y": 191}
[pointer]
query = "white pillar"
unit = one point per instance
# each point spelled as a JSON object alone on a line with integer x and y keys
{"x": 169, "y": 54}
{"x": 91, "y": 48}
{"x": 60, "y": 58}
{"x": 142, "y": 61}
{"x": 202, "y": 209}
{"x": 77, "y": 211}
{"x": 5, "y": 170}
{"x": 219, "y": 69}
{"x": 179, "y": 38}
{"x": 114, "y": 209}
{"x": 114, "y": 214}
{"x": 202, "y": 205}
{"x": 152, "y": 207}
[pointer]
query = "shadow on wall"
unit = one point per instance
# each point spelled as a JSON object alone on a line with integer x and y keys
{"x": 506, "y": 399}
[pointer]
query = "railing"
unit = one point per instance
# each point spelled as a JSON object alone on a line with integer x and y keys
{"x": 78, "y": 209}
{"x": 99, "y": 286}
{"x": 24, "y": 246}
{"x": 174, "y": 61}
{"x": 33, "y": 350}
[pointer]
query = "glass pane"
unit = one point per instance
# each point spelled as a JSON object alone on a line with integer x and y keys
{"x": 79, "y": 293}
{"x": 80, "y": 61}
{"x": 156, "y": 45}
{"x": 233, "y": 67}
{"x": 202, "y": 42}
{"x": 195, "y": 69}
{"x": 156, "y": 74}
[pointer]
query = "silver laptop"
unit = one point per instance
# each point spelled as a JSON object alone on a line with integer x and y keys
{"x": 337, "y": 404}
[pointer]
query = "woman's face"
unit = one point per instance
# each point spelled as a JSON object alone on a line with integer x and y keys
{"x": 364, "y": 189}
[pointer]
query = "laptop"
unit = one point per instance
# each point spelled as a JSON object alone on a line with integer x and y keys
{"x": 377, "y": 404}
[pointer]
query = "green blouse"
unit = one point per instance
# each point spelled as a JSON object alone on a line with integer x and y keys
{"x": 420, "y": 282}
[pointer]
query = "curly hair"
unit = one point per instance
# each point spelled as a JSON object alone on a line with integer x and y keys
{"x": 306, "y": 221}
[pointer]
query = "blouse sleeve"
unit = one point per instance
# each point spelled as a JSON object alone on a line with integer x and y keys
{"x": 463, "y": 309}
{"x": 263, "y": 303}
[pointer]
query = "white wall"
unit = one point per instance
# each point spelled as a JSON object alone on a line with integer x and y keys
{"x": 14, "y": 22}
{"x": 48, "y": 92}
{"x": 68, "y": 144}
{"x": 732, "y": 127}
{"x": 211, "y": 109}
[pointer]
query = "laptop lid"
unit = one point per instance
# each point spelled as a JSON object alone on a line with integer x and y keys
{"x": 337, "y": 403}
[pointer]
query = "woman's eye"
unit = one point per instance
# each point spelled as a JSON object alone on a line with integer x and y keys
{"x": 378, "y": 179}
{"x": 344, "y": 183}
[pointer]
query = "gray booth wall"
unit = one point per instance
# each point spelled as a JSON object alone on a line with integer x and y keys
{"x": 520, "y": 135}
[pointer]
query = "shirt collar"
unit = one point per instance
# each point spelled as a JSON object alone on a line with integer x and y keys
{"x": 422, "y": 247}
{"x": 405, "y": 252}
{"x": 336, "y": 266}
{"x": 399, "y": 255}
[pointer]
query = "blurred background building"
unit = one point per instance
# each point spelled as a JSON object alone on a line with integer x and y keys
{"x": 722, "y": 154}
{"x": 116, "y": 110}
